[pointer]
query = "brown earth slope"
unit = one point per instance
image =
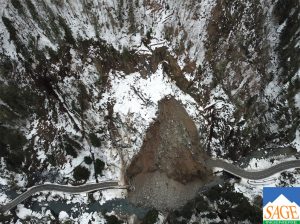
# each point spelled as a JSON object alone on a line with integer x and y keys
{"x": 170, "y": 156}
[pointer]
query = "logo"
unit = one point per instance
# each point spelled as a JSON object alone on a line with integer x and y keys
{"x": 281, "y": 205}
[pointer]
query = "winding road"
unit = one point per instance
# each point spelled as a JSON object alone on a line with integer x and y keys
{"x": 252, "y": 175}
{"x": 62, "y": 188}
{"x": 212, "y": 163}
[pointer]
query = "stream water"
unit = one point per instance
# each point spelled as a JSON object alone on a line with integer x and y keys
{"x": 120, "y": 206}
{"x": 123, "y": 206}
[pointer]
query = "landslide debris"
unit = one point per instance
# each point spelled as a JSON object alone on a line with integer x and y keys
{"x": 170, "y": 161}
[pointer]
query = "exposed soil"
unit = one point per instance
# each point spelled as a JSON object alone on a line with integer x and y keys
{"x": 170, "y": 162}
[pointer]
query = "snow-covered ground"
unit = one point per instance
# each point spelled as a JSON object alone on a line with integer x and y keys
{"x": 134, "y": 97}
{"x": 250, "y": 188}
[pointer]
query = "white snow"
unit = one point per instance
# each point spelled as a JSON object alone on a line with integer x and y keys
{"x": 63, "y": 216}
{"x": 3, "y": 198}
{"x": 272, "y": 90}
{"x": 255, "y": 187}
{"x": 110, "y": 194}
{"x": 160, "y": 219}
{"x": 259, "y": 164}
{"x": 73, "y": 162}
{"x": 41, "y": 155}
{"x": 20, "y": 179}
{"x": 85, "y": 218}
{"x": 8, "y": 47}
{"x": 297, "y": 100}
{"x": 23, "y": 212}
{"x": 144, "y": 50}
{"x": 45, "y": 42}
{"x": 134, "y": 94}
{"x": 3, "y": 181}
{"x": 296, "y": 142}
{"x": 136, "y": 98}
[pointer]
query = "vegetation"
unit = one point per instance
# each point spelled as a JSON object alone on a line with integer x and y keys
{"x": 95, "y": 141}
{"x": 81, "y": 173}
{"x": 12, "y": 142}
{"x": 32, "y": 11}
{"x": 230, "y": 205}
{"x": 21, "y": 100}
{"x": 288, "y": 52}
{"x": 52, "y": 23}
{"x": 68, "y": 222}
{"x": 17, "y": 5}
{"x": 120, "y": 12}
{"x": 126, "y": 54}
{"x": 151, "y": 217}
{"x": 71, "y": 146}
{"x": 83, "y": 98}
{"x": 35, "y": 16}
{"x": 88, "y": 160}
{"x": 147, "y": 39}
{"x": 14, "y": 37}
{"x": 99, "y": 166}
{"x": 70, "y": 150}
{"x": 235, "y": 206}
{"x": 169, "y": 32}
{"x": 5, "y": 218}
{"x": 111, "y": 219}
{"x": 6, "y": 114}
{"x": 11, "y": 29}
{"x": 148, "y": 34}
{"x": 68, "y": 33}
{"x": 131, "y": 18}
{"x": 12, "y": 138}
{"x": 15, "y": 159}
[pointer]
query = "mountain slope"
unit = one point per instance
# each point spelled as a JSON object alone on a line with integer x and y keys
{"x": 80, "y": 82}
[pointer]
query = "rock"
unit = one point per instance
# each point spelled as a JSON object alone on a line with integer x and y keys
{"x": 170, "y": 166}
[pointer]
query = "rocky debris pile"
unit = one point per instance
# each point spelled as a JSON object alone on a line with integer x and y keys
{"x": 170, "y": 162}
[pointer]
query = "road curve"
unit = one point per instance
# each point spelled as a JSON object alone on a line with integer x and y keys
{"x": 213, "y": 163}
{"x": 61, "y": 188}
{"x": 253, "y": 175}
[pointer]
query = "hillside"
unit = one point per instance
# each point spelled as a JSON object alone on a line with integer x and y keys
{"x": 81, "y": 83}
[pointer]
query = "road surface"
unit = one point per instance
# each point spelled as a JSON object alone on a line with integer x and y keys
{"x": 213, "y": 163}
{"x": 61, "y": 188}
{"x": 253, "y": 175}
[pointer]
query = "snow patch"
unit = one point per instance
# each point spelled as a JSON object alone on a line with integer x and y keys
{"x": 297, "y": 100}
{"x": 24, "y": 213}
{"x": 63, "y": 216}
{"x": 296, "y": 142}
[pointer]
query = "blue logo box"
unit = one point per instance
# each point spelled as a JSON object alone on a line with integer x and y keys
{"x": 281, "y": 205}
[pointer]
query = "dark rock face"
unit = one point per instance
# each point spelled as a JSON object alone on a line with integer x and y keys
{"x": 171, "y": 146}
